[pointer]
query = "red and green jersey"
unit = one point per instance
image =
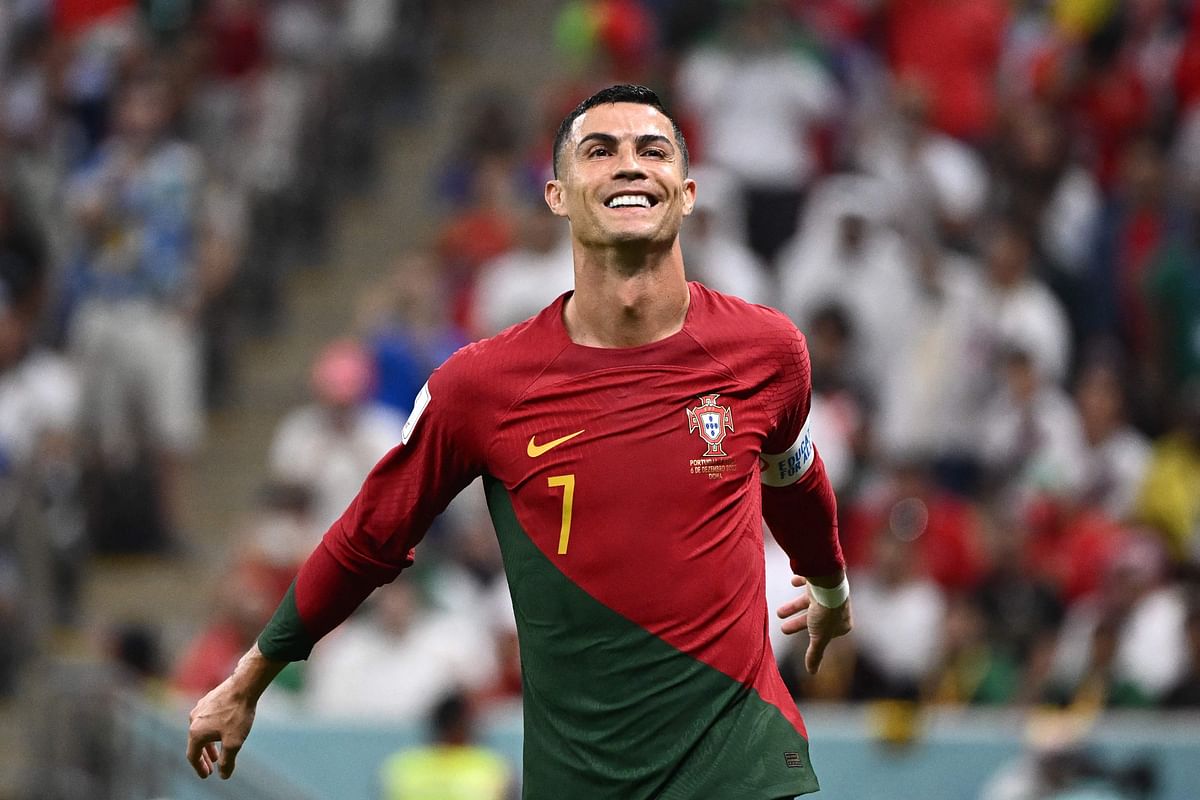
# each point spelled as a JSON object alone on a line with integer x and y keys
{"x": 626, "y": 487}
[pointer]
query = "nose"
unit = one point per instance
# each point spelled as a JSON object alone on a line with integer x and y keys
{"x": 627, "y": 164}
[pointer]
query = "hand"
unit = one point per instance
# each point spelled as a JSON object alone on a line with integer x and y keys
{"x": 222, "y": 716}
{"x": 823, "y": 624}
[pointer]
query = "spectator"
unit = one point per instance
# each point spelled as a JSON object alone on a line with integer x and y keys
{"x": 138, "y": 288}
{"x": 491, "y": 135}
{"x": 714, "y": 254}
{"x": 1017, "y": 309}
{"x": 1125, "y": 645}
{"x": 406, "y": 326}
{"x": 477, "y": 234}
{"x": 847, "y": 254}
{"x": 329, "y": 446}
{"x": 1021, "y": 608}
{"x": 1031, "y": 435}
{"x": 355, "y": 673}
{"x": 1170, "y": 498}
{"x": 930, "y": 175}
{"x": 925, "y": 406}
{"x": 762, "y": 104}
{"x": 839, "y": 407}
{"x": 1042, "y": 185}
{"x": 1116, "y": 454}
{"x": 450, "y": 767}
{"x": 898, "y": 633}
{"x": 522, "y": 281}
{"x": 277, "y": 534}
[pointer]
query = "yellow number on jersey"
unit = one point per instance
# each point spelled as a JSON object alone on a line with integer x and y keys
{"x": 567, "y": 482}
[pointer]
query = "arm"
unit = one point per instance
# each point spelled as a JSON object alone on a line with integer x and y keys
{"x": 367, "y": 547}
{"x": 801, "y": 511}
{"x": 323, "y": 595}
{"x": 803, "y": 518}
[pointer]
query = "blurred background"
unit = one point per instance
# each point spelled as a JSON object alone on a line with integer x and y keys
{"x": 237, "y": 235}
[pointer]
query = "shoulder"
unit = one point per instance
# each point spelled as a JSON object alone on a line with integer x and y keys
{"x": 495, "y": 370}
{"x": 724, "y": 322}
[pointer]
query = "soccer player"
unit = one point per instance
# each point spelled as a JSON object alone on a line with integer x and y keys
{"x": 631, "y": 437}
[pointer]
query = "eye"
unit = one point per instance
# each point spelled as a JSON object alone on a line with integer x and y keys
{"x": 598, "y": 151}
{"x": 654, "y": 152}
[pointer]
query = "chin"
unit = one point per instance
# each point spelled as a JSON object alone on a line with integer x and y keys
{"x": 636, "y": 236}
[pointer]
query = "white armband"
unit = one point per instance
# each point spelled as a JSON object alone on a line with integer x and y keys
{"x": 789, "y": 466}
{"x": 419, "y": 406}
{"x": 830, "y": 598}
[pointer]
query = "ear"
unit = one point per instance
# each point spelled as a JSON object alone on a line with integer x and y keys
{"x": 554, "y": 198}
{"x": 689, "y": 196}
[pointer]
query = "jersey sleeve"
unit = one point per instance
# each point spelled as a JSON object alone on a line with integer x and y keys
{"x": 798, "y": 500}
{"x": 438, "y": 455}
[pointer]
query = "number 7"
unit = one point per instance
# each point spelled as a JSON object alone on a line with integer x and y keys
{"x": 568, "y": 484}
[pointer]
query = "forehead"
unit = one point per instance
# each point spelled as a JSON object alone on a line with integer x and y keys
{"x": 620, "y": 120}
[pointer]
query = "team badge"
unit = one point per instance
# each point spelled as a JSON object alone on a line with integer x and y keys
{"x": 712, "y": 421}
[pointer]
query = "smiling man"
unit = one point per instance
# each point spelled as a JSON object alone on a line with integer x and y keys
{"x": 631, "y": 438}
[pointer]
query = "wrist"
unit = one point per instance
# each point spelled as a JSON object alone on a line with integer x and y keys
{"x": 829, "y": 593}
{"x": 253, "y": 674}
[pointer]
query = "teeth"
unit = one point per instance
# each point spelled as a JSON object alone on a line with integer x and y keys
{"x": 629, "y": 200}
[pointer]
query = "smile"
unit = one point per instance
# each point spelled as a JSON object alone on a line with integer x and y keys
{"x": 628, "y": 200}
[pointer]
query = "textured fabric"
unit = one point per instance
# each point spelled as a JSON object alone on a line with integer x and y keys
{"x": 614, "y": 712}
{"x": 633, "y": 475}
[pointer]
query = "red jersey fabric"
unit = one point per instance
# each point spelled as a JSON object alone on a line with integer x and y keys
{"x": 635, "y": 472}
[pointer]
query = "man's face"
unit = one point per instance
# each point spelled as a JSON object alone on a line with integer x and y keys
{"x": 621, "y": 178}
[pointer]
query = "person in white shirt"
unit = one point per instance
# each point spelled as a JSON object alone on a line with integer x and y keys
{"x": 516, "y": 285}
{"x": 329, "y": 446}
{"x": 848, "y": 254}
{"x": 1117, "y": 454}
{"x": 1016, "y": 307}
{"x": 714, "y": 253}
{"x": 760, "y": 101}
{"x": 396, "y": 661}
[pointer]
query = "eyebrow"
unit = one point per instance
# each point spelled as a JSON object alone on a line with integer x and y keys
{"x": 641, "y": 141}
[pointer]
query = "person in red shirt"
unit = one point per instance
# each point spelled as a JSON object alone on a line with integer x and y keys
{"x": 631, "y": 437}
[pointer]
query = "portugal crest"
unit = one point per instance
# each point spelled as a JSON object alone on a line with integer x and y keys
{"x": 712, "y": 421}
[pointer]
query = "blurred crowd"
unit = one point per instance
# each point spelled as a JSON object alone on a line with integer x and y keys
{"x": 984, "y": 215}
{"x": 164, "y": 166}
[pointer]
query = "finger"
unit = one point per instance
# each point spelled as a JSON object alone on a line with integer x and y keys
{"x": 799, "y": 580}
{"x": 816, "y": 652}
{"x": 225, "y": 763}
{"x": 196, "y": 755}
{"x": 210, "y": 751}
{"x": 794, "y": 624}
{"x": 793, "y": 606}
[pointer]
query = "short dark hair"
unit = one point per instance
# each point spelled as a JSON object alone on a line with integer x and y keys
{"x": 620, "y": 93}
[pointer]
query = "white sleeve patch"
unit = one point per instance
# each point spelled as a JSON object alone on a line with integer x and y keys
{"x": 789, "y": 466}
{"x": 419, "y": 405}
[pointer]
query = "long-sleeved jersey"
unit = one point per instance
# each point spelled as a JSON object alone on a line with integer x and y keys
{"x": 627, "y": 487}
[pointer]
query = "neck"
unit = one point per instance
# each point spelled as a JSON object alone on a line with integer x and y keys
{"x": 626, "y": 298}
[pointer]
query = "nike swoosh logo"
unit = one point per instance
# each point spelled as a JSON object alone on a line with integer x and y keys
{"x": 534, "y": 449}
